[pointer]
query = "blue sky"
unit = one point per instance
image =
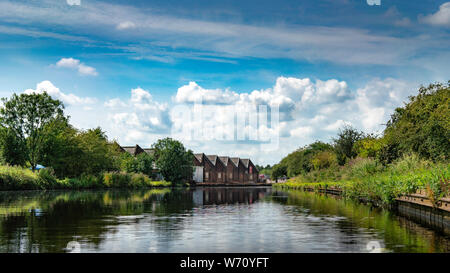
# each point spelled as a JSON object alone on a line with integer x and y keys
{"x": 361, "y": 62}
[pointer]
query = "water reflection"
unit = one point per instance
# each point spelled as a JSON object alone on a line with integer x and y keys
{"x": 202, "y": 220}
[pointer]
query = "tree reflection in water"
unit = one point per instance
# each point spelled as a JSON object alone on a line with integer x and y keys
{"x": 202, "y": 219}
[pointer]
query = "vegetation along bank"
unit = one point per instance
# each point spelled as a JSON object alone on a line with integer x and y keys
{"x": 410, "y": 156}
{"x": 35, "y": 132}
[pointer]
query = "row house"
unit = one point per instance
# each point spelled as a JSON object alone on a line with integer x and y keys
{"x": 223, "y": 169}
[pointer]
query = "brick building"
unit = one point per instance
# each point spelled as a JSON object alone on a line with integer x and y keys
{"x": 224, "y": 169}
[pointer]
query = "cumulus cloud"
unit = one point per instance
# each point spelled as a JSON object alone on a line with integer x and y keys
{"x": 301, "y": 131}
{"x": 75, "y": 64}
{"x": 193, "y": 93}
{"x": 317, "y": 110}
{"x": 56, "y": 93}
{"x": 289, "y": 94}
{"x": 139, "y": 114}
{"x": 440, "y": 18}
{"x": 377, "y": 100}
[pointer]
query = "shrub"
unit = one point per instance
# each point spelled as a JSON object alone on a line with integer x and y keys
{"x": 323, "y": 160}
{"x": 17, "y": 178}
{"x": 47, "y": 178}
{"x": 363, "y": 167}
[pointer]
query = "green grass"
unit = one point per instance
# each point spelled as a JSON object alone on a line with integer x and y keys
{"x": 17, "y": 178}
{"x": 365, "y": 178}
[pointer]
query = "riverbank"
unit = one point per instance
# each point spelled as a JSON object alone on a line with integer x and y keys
{"x": 412, "y": 187}
{"x": 368, "y": 180}
{"x": 416, "y": 207}
{"x": 17, "y": 178}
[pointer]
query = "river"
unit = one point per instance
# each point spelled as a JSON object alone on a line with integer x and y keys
{"x": 258, "y": 219}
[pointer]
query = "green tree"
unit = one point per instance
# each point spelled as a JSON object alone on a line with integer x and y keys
{"x": 26, "y": 115}
{"x": 369, "y": 146}
{"x": 12, "y": 150}
{"x": 323, "y": 160}
{"x": 97, "y": 153}
{"x": 422, "y": 125}
{"x": 300, "y": 161}
{"x": 61, "y": 149}
{"x": 345, "y": 142}
{"x": 279, "y": 170}
{"x": 144, "y": 164}
{"x": 173, "y": 160}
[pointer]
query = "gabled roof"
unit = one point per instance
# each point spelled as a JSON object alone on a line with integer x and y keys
{"x": 133, "y": 150}
{"x": 245, "y": 161}
{"x": 213, "y": 159}
{"x": 149, "y": 151}
{"x": 224, "y": 159}
{"x": 235, "y": 161}
{"x": 199, "y": 157}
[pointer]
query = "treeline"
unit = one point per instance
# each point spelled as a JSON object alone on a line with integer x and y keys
{"x": 34, "y": 130}
{"x": 421, "y": 126}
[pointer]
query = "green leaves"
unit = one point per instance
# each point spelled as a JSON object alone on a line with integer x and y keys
{"x": 25, "y": 117}
{"x": 173, "y": 161}
{"x": 423, "y": 124}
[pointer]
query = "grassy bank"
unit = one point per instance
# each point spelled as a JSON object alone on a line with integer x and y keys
{"x": 366, "y": 178}
{"x": 17, "y": 178}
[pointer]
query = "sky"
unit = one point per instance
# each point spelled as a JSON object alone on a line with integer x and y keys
{"x": 141, "y": 69}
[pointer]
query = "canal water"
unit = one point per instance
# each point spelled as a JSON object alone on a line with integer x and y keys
{"x": 204, "y": 220}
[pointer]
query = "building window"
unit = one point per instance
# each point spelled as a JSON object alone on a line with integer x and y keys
{"x": 206, "y": 175}
{"x": 231, "y": 175}
{"x": 219, "y": 175}
{"x": 251, "y": 176}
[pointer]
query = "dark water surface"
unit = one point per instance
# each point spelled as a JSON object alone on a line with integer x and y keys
{"x": 203, "y": 220}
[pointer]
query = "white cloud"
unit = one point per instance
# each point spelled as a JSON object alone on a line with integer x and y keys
{"x": 68, "y": 63}
{"x": 115, "y": 103}
{"x": 139, "y": 113}
{"x": 301, "y": 131}
{"x": 87, "y": 70}
{"x": 378, "y": 99}
{"x": 337, "y": 125}
{"x": 193, "y": 93}
{"x": 318, "y": 112}
{"x": 289, "y": 94}
{"x": 125, "y": 25}
{"x": 73, "y": 2}
{"x": 440, "y": 18}
{"x": 67, "y": 99}
{"x": 76, "y": 64}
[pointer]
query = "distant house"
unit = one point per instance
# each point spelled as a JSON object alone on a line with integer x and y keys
{"x": 133, "y": 150}
{"x": 224, "y": 169}
{"x": 136, "y": 150}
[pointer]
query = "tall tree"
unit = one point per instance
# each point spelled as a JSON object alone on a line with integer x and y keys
{"x": 61, "y": 149}
{"x": 173, "y": 160}
{"x": 26, "y": 115}
{"x": 423, "y": 124}
{"x": 344, "y": 144}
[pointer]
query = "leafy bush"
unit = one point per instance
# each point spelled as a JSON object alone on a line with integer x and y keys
{"x": 368, "y": 146}
{"x": 17, "y": 178}
{"x": 344, "y": 144}
{"x": 363, "y": 167}
{"x": 423, "y": 124}
{"x": 47, "y": 178}
{"x": 324, "y": 160}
